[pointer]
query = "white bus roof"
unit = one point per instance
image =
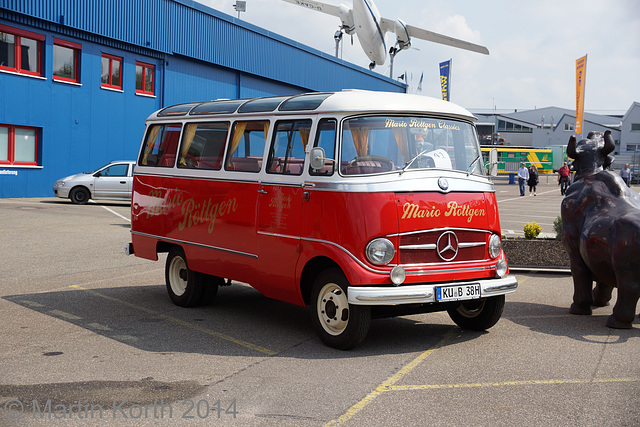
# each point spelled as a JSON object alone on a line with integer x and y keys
{"x": 345, "y": 101}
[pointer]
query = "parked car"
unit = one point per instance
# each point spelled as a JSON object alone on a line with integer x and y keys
{"x": 110, "y": 182}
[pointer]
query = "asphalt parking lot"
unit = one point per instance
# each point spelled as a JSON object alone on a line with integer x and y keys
{"x": 90, "y": 337}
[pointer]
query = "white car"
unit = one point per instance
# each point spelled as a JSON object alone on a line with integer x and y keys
{"x": 110, "y": 182}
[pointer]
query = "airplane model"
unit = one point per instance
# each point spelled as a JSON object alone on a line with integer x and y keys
{"x": 365, "y": 21}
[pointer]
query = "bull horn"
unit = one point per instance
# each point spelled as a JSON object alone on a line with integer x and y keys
{"x": 571, "y": 147}
{"x": 609, "y": 145}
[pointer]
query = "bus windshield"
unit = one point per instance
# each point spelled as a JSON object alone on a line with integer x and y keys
{"x": 376, "y": 144}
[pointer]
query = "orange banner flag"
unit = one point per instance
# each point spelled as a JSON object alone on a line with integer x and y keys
{"x": 581, "y": 77}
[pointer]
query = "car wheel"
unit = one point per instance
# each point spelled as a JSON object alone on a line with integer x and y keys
{"x": 478, "y": 315}
{"x": 339, "y": 324}
{"x": 185, "y": 286}
{"x": 80, "y": 196}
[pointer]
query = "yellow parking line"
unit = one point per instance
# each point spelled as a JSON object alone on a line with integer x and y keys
{"x": 385, "y": 386}
{"x": 389, "y": 384}
{"x": 99, "y": 327}
{"x": 182, "y": 322}
{"x": 31, "y": 304}
{"x": 510, "y": 383}
{"x": 64, "y": 315}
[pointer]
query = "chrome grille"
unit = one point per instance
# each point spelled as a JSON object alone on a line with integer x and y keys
{"x": 422, "y": 247}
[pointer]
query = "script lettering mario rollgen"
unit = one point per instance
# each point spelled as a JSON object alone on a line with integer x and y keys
{"x": 193, "y": 213}
{"x": 412, "y": 210}
{"x": 420, "y": 124}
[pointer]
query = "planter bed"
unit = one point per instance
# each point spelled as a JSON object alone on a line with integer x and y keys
{"x": 535, "y": 253}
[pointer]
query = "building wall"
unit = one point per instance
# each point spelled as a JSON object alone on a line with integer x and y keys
{"x": 83, "y": 126}
{"x": 630, "y": 137}
{"x": 520, "y": 139}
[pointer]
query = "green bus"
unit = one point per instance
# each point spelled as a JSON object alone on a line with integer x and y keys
{"x": 509, "y": 158}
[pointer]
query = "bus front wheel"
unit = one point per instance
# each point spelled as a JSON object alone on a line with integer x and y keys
{"x": 339, "y": 324}
{"x": 478, "y": 315}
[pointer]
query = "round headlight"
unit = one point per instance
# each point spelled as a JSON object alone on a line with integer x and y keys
{"x": 380, "y": 251}
{"x": 494, "y": 246}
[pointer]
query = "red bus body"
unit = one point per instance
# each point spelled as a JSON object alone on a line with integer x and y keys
{"x": 280, "y": 224}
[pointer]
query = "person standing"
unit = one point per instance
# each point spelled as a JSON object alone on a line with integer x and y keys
{"x": 523, "y": 176}
{"x": 625, "y": 174}
{"x": 564, "y": 175}
{"x": 533, "y": 180}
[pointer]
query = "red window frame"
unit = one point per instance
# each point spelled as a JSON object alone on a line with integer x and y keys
{"x": 77, "y": 48}
{"x": 18, "y": 35}
{"x": 146, "y": 68}
{"x": 12, "y": 149}
{"x": 110, "y": 84}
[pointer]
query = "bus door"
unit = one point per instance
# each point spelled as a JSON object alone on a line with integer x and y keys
{"x": 280, "y": 208}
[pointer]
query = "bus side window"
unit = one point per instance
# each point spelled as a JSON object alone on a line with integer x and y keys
{"x": 161, "y": 146}
{"x": 203, "y": 145}
{"x": 286, "y": 154}
{"x": 246, "y": 146}
{"x": 326, "y": 138}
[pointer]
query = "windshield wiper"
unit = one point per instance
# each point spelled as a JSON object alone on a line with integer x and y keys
{"x": 473, "y": 164}
{"x": 410, "y": 162}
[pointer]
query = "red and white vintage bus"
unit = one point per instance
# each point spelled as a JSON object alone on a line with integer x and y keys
{"x": 354, "y": 203}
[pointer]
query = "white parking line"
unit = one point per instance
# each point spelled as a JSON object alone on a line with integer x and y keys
{"x": 113, "y": 212}
{"x": 518, "y": 198}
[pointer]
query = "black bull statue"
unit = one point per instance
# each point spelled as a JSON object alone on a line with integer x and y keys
{"x": 601, "y": 232}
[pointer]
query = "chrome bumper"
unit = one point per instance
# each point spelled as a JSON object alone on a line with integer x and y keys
{"x": 416, "y": 294}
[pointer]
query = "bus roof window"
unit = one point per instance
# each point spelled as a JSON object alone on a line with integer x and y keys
{"x": 261, "y": 105}
{"x": 217, "y": 107}
{"x": 305, "y": 102}
{"x": 176, "y": 110}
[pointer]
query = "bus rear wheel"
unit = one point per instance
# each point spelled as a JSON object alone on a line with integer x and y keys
{"x": 339, "y": 324}
{"x": 185, "y": 286}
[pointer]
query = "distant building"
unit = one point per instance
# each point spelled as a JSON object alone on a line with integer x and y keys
{"x": 552, "y": 126}
{"x": 79, "y": 77}
{"x": 630, "y": 130}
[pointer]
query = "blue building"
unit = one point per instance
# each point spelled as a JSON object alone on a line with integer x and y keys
{"x": 79, "y": 77}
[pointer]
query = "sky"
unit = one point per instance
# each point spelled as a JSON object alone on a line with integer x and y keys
{"x": 533, "y": 48}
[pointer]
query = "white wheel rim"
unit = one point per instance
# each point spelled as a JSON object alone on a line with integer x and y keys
{"x": 177, "y": 283}
{"x": 332, "y": 309}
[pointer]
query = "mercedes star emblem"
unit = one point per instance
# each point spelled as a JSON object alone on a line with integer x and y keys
{"x": 447, "y": 246}
{"x": 443, "y": 184}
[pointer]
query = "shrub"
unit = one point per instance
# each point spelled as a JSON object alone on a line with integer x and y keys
{"x": 557, "y": 227}
{"x": 532, "y": 230}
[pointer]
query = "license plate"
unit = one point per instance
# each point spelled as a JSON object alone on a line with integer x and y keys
{"x": 458, "y": 292}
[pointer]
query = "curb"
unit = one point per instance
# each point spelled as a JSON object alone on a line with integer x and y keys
{"x": 542, "y": 269}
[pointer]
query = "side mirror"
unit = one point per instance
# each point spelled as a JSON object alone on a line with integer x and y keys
{"x": 493, "y": 162}
{"x": 316, "y": 157}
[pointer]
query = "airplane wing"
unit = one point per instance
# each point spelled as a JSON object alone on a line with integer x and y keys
{"x": 387, "y": 25}
{"x": 408, "y": 31}
{"x": 446, "y": 40}
{"x": 318, "y": 6}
